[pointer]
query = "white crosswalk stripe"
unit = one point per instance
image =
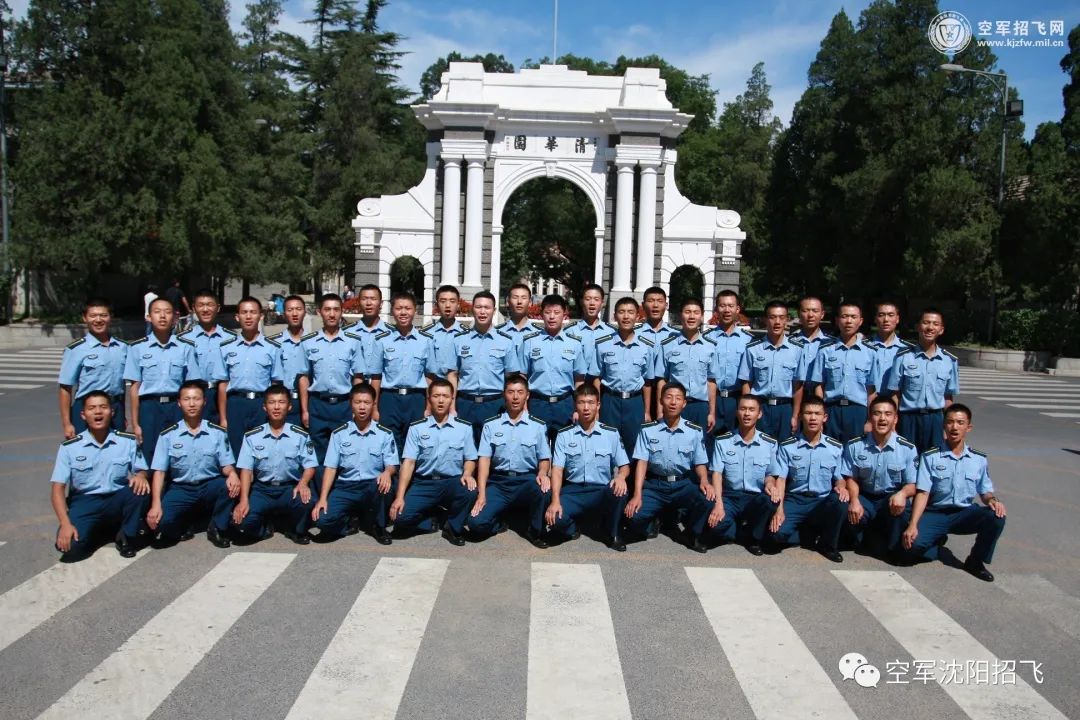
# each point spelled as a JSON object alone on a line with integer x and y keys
{"x": 574, "y": 669}
{"x": 29, "y": 369}
{"x": 1052, "y": 397}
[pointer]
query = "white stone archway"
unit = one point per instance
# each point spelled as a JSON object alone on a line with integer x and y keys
{"x": 612, "y": 137}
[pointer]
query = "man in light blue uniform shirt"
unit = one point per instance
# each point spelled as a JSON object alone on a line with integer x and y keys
{"x": 202, "y": 478}
{"x": 370, "y": 325}
{"x": 843, "y": 373}
{"x": 513, "y": 466}
{"x": 731, "y": 342}
{"x": 671, "y": 471}
{"x": 156, "y": 367}
{"x": 626, "y": 366}
{"x": 98, "y": 484}
{"x": 207, "y": 335}
{"x": 590, "y": 327}
{"x": 689, "y": 359}
{"x": 94, "y": 362}
{"x": 438, "y": 469}
{"x": 811, "y": 313}
{"x": 770, "y": 370}
{"x": 879, "y": 471}
{"x": 925, "y": 381}
{"x": 252, "y": 362}
{"x": 740, "y": 465}
{"x": 949, "y": 481}
{"x": 404, "y": 357}
{"x": 588, "y": 474}
{"x": 335, "y": 361}
{"x": 482, "y": 356}
{"x": 445, "y": 328}
{"x": 293, "y": 362}
{"x": 518, "y": 325}
{"x": 554, "y": 361}
{"x": 807, "y": 469}
{"x": 360, "y": 464}
{"x": 277, "y": 463}
{"x": 886, "y": 340}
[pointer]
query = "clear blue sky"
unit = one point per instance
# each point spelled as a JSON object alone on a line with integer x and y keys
{"x": 721, "y": 39}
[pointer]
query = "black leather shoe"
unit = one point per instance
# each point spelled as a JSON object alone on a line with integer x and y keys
{"x": 942, "y": 540}
{"x": 452, "y": 537}
{"x": 755, "y": 549}
{"x": 214, "y": 536}
{"x": 352, "y": 527}
{"x": 124, "y": 547}
{"x": 653, "y": 530}
{"x": 698, "y": 545}
{"x": 979, "y": 570}
{"x": 617, "y": 544}
{"x": 299, "y": 539}
{"x": 382, "y": 536}
{"x": 537, "y": 540}
{"x": 189, "y": 534}
{"x": 830, "y": 554}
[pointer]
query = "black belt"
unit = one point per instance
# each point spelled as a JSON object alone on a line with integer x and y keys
{"x": 479, "y": 398}
{"x": 923, "y": 411}
{"x": 402, "y": 391}
{"x": 842, "y": 402}
{"x": 157, "y": 398}
{"x": 550, "y": 398}
{"x": 777, "y": 401}
{"x": 331, "y": 397}
{"x": 694, "y": 400}
{"x": 667, "y": 478}
{"x": 727, "y": 393}
{"x": 434, "y": 478}
{"x": 250, "y": 395}
{"x": 275, "y": 483}
{"x": 621, "y": 394}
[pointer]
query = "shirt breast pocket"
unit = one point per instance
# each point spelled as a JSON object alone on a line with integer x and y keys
{"x": 179, "y": 461}
{"x": 119, "y": 471}
{"x": 825, "y": 473}
{"x": 82, "y": 474}
{"x": 574, "y": 461}
{"x": 913, "y": 375}
{"x": 787, "y": 370}
{"x": 896, "y": 473}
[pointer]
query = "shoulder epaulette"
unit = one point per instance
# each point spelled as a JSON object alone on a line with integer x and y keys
{"x": 228, "y": 331}
{"x": 725, "y": 436}
{"x": 905, "y": 343}
{"x": 949, "y": 354}
{"x": 770, "y": 438}
{"x": 539, "y": 324}
{"x": 254, "y": 431}
{"x": 609, "y": 427}
{"x": 345, "y": 324}
{"x": 309, "y": 336}
{"x": 833, "y": 441}
{"x": 125, "y": 434}
{"x": 169, "y": 429}
{"x": 669, "y": 338}
{"x": 354, "y": 336}
{"x": 903, "y": 352}
{"x": 538, "y": 420}
{"x": 217, "y": 427}
{"x": 827, "y": 342}
{"x": 692, "y": 424}
{"x": 273, "y": 342}
{"x": 905, "y": 441}
{"x": 185, "y": 332}
{"x": 868, "y": 344}
{"x": 796, "y": 341}
{"x": 428, "y": 335}
{"x": 299, "y": 428}
{"x": 339, "y": 428}
{"x": 428, "y": 326}
{"x": 464, "y": 331}
{"x": 564, "y": 429}
{"x": 647, "y": 341}
{"x": 136, "y": 341}
{"x": 976, "y": 452}
{"x": 604, "y": 339}
{"x": 708, "y": 339}
{"x": 530, "y": 336}
{"x": 759, "y": 341}
{"x": 854, "y": 441}
{"x": 463, "y": 421}
{"x": 389, "y": 325}
{"x": 650, "y": 424}
{"x": 572, "y": 336}
{"x": 639, "y": 325}
{"x": 421, "y": 421}
{"x": 790, "y": 440}
{"x": 493, "y": 417}
{"x": 930, "y": 451}
{"x": 380, "y": 336}
{"x": 76, "y": 343}
{"x": 275, "y": 336}
{"x": 500, "y": 332}
{"x": 676, "y": 328}
{"x": 185, "y": 340}
{"x": 384, "y": 428}
{"x": 75, "y": 439}
{"x": 230, "y": 341}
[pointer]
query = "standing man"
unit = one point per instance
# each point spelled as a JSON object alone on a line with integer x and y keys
{"x": 590, "y": 327}
{"x": 807, "y": 469}
{"x": 689, "y": 358}
{"x": 106, "y": 473}
{"x": 518, "y": 326}
{"x": 949, "y": 480}
{"x": 811, "y": 313}
{"x": 626, "y": 366}
{"x": 731, "y": 342}
{"x": 156, "y": 367}
{"x": 359, "y": 468}
{"x": 335, "y": 361}
{"x": 843, "y": 373}
{"x": 293, "y": 362}
{"x": 252, "y": 362}
{"x": 588, "y": 474}
{"x": 94, "y": 362}
{"x": 770, "y": 370}
{"x": 927, "y": 380}
{"x": 671, "y": 471}
{"x": 879, "y": 471}
{"x": 202, "y": 480}
{"x": 439, "y": 465}
{"x": 445, "y": 328}
{"x": 276, "y": 463}
{"x": 175, "y": 294}
{"x": 370, "y": 324}
{"x": 482, "y": 356}
{"x": 555, "y": 363}
{"x": 403, "y": 359}
{"x": 513, "y": 467}
{"x": 207, "y": 335}
{"x": 654, "y": 305}
{"x": 740, "y": 466}
{"x": 886, "y": 341}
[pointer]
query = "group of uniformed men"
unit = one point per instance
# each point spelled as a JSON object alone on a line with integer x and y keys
{"x": 787, "y": 439}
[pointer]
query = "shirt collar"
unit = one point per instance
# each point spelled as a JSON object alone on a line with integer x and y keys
{"x": 545, "y": 335}
{"x": 476, "y": 333}
{"x": 634, "y": 338}
{"x": 396, "y": 335}
{"x": 698, "y": 338}
{"x": 679, "y": 426}
{"x": 522, "y": 419}
{"x": 890, "y": 442}
{"x": 756, "y": 440}
{"x": 803, "y": 442}
{"x": 268, "y": 432}
{"x": 94, "y": 342}
{"x": 168, "y": 343}
{"x": 257, "y": 340}
{"x": 202, "y": 430}
{"x": 110, "y": 439}
{"x": 579, "y": 430}
{"x": 217, "y": 332}
{"x": 455, "y": 327}
{"x": 355, "y": 429}
{"x": 322, "y": 336}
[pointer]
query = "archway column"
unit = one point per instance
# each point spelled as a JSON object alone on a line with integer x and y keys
{"x": 474, "y": 223}
{"x": 646, "y": 246}
{"x": 624, "y": 218}
{"x": 451, "y": 220}
{"x": 496, "y": 262}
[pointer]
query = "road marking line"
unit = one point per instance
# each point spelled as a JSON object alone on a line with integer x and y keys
{"x": 574, "y": 668}
{"x": 1030, "y": 396}
{"x": 1045, "y": 598}
{"x": 776, "y": 671}
{"x": 927, "y": 632}
{"x": 34, "y": 373}
{"x": 33, "y": 602}
{"x": 364, "y": 669}
{"x": 1061, "y": 415}
{"x": 1045, "y": 406}
{"x": 9, "y": 386}
{"x": 135, "y": 679}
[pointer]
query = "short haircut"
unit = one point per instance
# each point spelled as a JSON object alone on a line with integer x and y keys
{"x": 840, "y": 306}
{"x": 204, "y": 293}
{"x": 370, "y": 286}
{"x": 812, "y": 401}
{"x": 931, "y": 310}
{"x": 329, "y": 297}
{"x": 276, "y": 389}
{"x": 294, "y": 298}
{"x": 97, "y": 393}
{"x": 97, "y": 302}
{"x": 440, "y": 383}
{"x": 886, "y": 302}
{"x": 402, "y": 295}
{"x": 160, "y": 299}
{"x": 551, "y": 300}
{"x": 592, "y": 286}
{"x": 627, "y": 301}
{"x": 804, "y": 298}
{"x": 362, "y": 388}
{"x": 199, "y": 384}
{"x": 755, "y": 398}
{"x": 447, "y": 289}
{"x": 692, "y": 301}
{"x": 518, "y": 286}
{"x": 729, "y": 293}
{"x": 773, "y": 304}
{"x": 586, "y": 390}
{"x": 655, "y": 290}
{"x": 484, "y": 295}
{"x": 674, "y": 385}
{"x": 249, "y": 299}
{"x": 515, "y": 379}
{"x": 883, "y": 400}
{"x": 958, "y": 408}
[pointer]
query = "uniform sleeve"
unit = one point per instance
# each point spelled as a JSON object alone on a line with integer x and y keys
{"x": 389, "y": 451}
{"x": 847, "y": 462}
{"x": 717, "y": 462}
{"x": 411, "y": 451}
{"x": 924, "y": 481}
{"x": 161, "y": 454}
{"x": 61, "y": 473}
{"x": 524, "y": 361}
{"x": 543, "y": 449}
{"x": 716, "y": 368}
{"x": 893, "y": 383}
{"x": 909, "y": 474}
{"x": 700, "y": 456}
{"x": 744, "y": 366}
{"x": 780, "y": 465}
{"x": 223, "y": 452}
{"x": 69, "y": 368}
{"x": 881, "y": 369}
{"x": 953, "y": 388}
{"x": 558, "y": 458}
{"x": 359, "y": 362}
{"x": 375, "y": 362}
{"x": 333, "y": 452}
{"x": 512, "y": 358}
{"x": 587, "y": 359}
{"x": 620, "y": 453}
{"x": 308, "y": 458}
{"x": 838, "y": 476}
{"x": 132, "y": 369}
{"x": 641, "y": 447}
{"x": 277, "y": 368}
{"x": 484, "y": 449}
{"x": 218, "y": 371}
{"x": 650, "y": 362}
{"x": 191, "y": 362}
{"x": 470, "y": 445}
{"x": 984, "y": 484}
{"x": 872, "y": 375}
{"x": 812, "y": 373}
{"x": 435, "y": 360}
{"x": 246, "y": 461}
{"x": 659, "y": 363}
{"x": 137, "y": 459}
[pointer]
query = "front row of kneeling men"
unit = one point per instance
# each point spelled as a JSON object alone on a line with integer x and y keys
{"x": 876, "y": 491}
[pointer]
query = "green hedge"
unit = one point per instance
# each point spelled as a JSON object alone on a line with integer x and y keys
{"x": 1053, "y": 330}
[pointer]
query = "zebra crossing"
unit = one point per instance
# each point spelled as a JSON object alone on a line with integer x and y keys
{"x": 1050, "y": 396}
{"x": 29, "y": 369}
{"x": 575, "y": 639}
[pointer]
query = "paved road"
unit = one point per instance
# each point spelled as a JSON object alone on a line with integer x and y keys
{"x": 502, "y": 630}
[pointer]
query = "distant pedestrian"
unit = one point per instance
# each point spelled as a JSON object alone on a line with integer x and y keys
{"x": 348, "y": 293}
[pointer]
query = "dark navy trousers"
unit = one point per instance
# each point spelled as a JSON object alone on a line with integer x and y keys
{"x": 426, "y": 494}
{"x": 556, "y": 414}
{"x": 324, "y": 417}
{"x": 397, "y": 412}
{"x": 977, "y": 520}
{"x": 267, "y": 503}
{"x": 104, "y": 513}
{"x": 155, "y": 416}
{"x": 804, "y": 518}
{"x": 876, "y": 518}
{"x": 243, "y": 414}
{"x": 659, "y": 495}
{"x": 349, "y": 499}
{"x": 846, "y": 422}
{"x": 626, "y": 415}
{"x": 478, "y": 412}
{"x": 181, "y": 501}
{"x": 924, "y": 430}
{"x": 776, "y": 420}
{"x": 584, "y": 499}
{"x": 741, "y": 508}
{"x": 510, "y": 492}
